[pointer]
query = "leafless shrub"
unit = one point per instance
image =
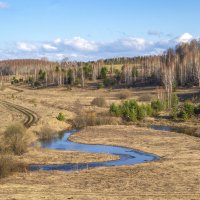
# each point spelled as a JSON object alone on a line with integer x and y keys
{"x": 145, "y": 98}
{"x": 124, "y": 94}
{"x": 91, "y": 118}
{"x": 99, "y": 101}
{"x": 8, "y": 165}
{"x": 15, "y": 139}
{"x": 77, "y": 107}
{"x": 46, "y": 134}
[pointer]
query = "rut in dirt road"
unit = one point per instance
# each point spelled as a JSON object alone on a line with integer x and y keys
{"x": 31, "y": 116}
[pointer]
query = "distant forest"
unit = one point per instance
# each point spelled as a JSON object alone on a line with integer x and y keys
{"x": 178, "y": 66}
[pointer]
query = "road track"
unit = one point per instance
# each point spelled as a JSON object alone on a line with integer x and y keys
{"x": 30, "y": 116}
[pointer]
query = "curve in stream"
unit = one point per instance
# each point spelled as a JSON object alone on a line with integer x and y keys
{"x": 127, "y": 156}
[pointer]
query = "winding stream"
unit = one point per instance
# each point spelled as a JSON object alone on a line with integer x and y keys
{"x": 127, "y": 156}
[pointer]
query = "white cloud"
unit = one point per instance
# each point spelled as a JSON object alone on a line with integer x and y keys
{"x": 184, "y": 38}
{"x": 78, "y": 48}
{"x": 49, "y": 47}
{"x": 26, "y": 46}
{"x": 135, "y": 43}
{"x": 57, "y": 40}
{"x": 81, "y": 44}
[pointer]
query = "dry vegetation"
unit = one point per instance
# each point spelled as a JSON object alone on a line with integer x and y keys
{"x": 15, "y": 139}
{"x": 46, "y": 133}
{"x": 125, "y": 94}
{"x": 175, "y": 176}
{"x": 99, "y": 101}
{"x": 9, "y": 165}
{"x": 44, "y": 156}
{"x": 91, "y": 118}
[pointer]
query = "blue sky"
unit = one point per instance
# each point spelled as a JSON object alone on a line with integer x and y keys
{"x": 93, "y": 29}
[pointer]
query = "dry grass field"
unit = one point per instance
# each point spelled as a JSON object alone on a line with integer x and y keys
{"x": 175, "y": 176}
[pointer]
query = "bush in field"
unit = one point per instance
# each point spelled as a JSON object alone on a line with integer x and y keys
{"x": 183, "y": 115}
{"x": 174, "y": 106}
{"x": 14, "y": 81}
{"x": 46, "y": 134}
{"x": 115, "y": 110}
{"x": 100, "y": 86}
{"x": 99, "y": 101}
{"x": 60, "y": 117}
{"x": 124, "y": 94}
{"x": 16, "y": 139}
{"x": 174, "y": 101}
{"x": 141, "y": 112}
{"x": 157, "y": 106}
{"x": 149, "y": 110}
{"x": 8, "y": 165}
{"x": 90, "y": 118}
{"x": 189, "y": 108}
{"x": 131, "y": 110}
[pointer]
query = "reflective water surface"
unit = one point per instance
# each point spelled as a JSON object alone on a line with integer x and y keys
{"x": 127, "y": 156}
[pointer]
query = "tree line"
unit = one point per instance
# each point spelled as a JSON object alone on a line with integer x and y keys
{"x": 179, "y": 66}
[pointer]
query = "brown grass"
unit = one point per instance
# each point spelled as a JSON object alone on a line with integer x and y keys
{"x": 46, "y": 156}
{"x": 174, "y": 176}
{"x": 9, "y": 165}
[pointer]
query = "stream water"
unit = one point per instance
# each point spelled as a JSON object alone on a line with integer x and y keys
{"x": 127, "y": 156}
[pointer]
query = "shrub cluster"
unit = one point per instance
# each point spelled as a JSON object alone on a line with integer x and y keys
{"x": 15, "y": 139}
{"x": 91, "y": 118}
{"x": 174, "y": 106}
{"x": 99, "y": 101}
{"x": 100, "y": 85}
{"x": 9, "y": 165}
{"x": 16, "y": 81}
{"x": 60, "y": 117}
{"x": 46, "y": 134}
{"x": 131, "y": 110}
{"x": 188, "y": 110}
{"x": 124, "y": 94}
{"x": 158, "y": 106}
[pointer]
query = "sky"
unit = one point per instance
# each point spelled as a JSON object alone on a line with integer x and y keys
{"x": 94, "y": 29}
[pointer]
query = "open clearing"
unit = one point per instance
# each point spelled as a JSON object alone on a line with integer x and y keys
{"x": 175, "y": 176}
